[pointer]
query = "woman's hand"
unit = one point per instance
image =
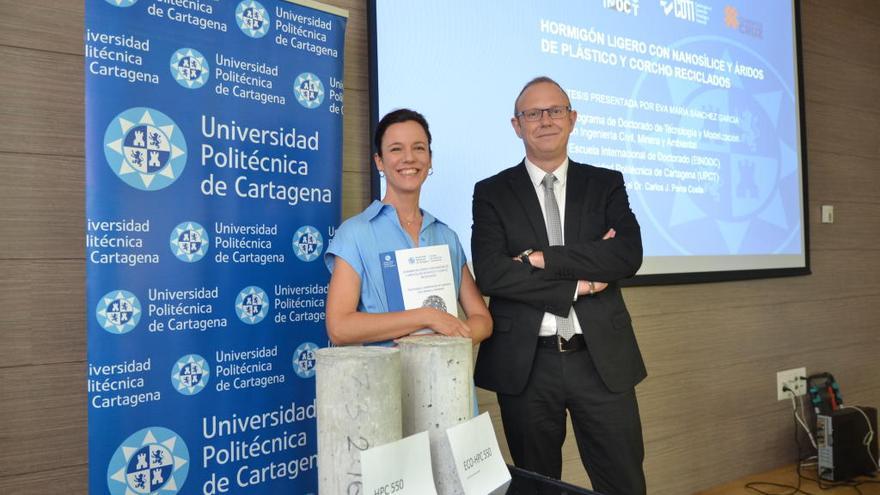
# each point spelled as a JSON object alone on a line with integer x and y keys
{"x": 444, "y": 323}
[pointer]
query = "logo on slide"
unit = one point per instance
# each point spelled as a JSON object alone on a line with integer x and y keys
{"x": 190, "y": 374}
{"x": 152, "y": 461}
{"x": 734, "y": 20}
{"x": 252, "y": 305}
{"x": 628, "y": 7}
{"x": 307, "y": 243}
{"x": 309, "y": 90}
{"x": 687, "y": 10}
{"x": 122, "y": 3}
{"x": 730, "y": 17}
{"x": 304, "y": 360}
{"x": 189, "y": 68}
{"x": 252, "y": 18}
{"x": 189, "y": 242}
{"x": 118, "y": 312}
{"x": 145, "y": 149}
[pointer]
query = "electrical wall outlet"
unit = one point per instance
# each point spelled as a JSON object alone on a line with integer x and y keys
{"x": 794, "y": 379}
{"x": 827, "y": 213}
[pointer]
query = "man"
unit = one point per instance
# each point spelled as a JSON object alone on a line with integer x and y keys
{"x": 551, "y": 238}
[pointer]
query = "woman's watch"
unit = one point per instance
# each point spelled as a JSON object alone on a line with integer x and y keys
{"x": 524, "y": 256}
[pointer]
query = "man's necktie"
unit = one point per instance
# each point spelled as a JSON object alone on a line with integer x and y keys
{"x": 564, "y": 326}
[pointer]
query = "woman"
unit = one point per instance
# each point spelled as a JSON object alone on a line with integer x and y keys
{"x": 357, "y": 309}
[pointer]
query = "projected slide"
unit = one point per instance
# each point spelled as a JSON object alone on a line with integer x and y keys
{"x": 695, "y": 102}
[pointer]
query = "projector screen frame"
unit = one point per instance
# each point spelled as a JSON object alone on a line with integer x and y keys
{"x": 659, "y": 278}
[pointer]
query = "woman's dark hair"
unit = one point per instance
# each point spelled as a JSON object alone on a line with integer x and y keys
{"x": 397, "y": 117}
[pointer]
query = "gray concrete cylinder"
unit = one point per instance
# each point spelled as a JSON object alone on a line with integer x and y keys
{"x": 359, "y": 407}
{"x": 437, "y": 394}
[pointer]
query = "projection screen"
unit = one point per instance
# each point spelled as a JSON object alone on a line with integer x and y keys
{"x": 697, "y": 103}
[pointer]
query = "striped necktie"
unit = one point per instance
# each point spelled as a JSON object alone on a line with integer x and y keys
{"x": 564, "y": 325}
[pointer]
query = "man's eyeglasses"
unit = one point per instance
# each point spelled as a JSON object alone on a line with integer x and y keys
{"x": 535, "y": 114}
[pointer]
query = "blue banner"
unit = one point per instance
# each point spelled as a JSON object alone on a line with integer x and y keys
{"x": 213, "y": 180}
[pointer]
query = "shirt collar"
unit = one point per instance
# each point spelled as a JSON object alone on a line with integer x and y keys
{"x": 377, "y": 207}
{"x": 536, "y": 174}
{"x": 374, "y": 209}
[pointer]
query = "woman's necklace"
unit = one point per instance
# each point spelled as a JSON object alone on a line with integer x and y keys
{"x": 416, "y": 218}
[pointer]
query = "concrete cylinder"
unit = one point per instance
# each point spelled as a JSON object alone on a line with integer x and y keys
{"x": 437, "y": 394}
{"x": 359, "y": 407}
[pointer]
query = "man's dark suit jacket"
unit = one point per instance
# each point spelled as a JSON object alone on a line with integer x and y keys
{"x": 507, "y": 221}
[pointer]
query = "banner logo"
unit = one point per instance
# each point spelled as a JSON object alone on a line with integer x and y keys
{"x": 189, "y": 68}
{"x": 145, "y": 149}
{"x": 189, "y": 242}
{"x": 152, "y": 461}
{"x": 252, "y": 305}
{"x": 190, "y": 374}
{"x": 252, "y": 18}
{"x": 118, "y": 312}
{"x": 122, "y": 3}
{"x": 309, "y": 90}
{"x": 307, "y": 243}
{"x": 304, "y": 360}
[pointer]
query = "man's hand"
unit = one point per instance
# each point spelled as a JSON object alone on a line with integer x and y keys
{"x": 536, "y": 259}
{"x": 585, "y": 289}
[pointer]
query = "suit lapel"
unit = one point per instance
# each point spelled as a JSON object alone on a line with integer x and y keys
{"x": 575, "y": 196}
{"x": 524, "y": 193}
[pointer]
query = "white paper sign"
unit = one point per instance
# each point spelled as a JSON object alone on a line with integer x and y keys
{"x": 400, "y": 468}
{"x": 478, "y": 460}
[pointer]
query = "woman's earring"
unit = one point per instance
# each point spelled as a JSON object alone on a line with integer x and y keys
{"x": 431, "y": 171}
{"x": 381, "y": 174}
